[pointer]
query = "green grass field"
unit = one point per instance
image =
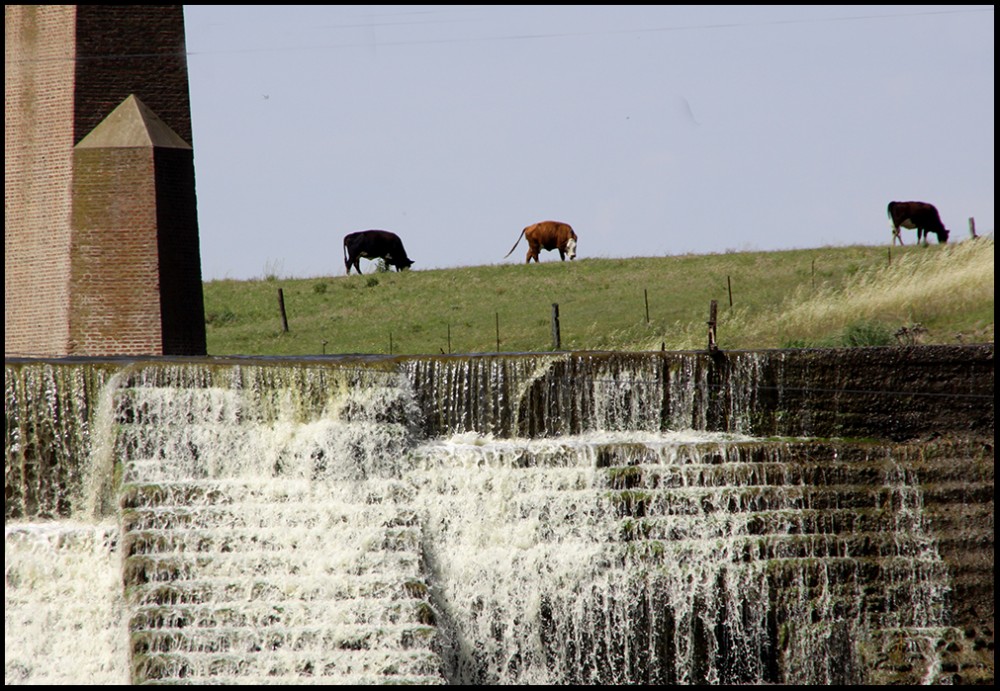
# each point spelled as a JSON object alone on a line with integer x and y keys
{"x": 830, "y": 296}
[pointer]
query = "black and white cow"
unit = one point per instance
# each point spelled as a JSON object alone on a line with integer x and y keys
{"x": 920, "y": 215}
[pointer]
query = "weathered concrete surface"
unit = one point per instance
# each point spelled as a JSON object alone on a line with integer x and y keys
{"x": 956, "y": 477}
{"x": 937, "y": 404}
{"x": 896, "y": 393}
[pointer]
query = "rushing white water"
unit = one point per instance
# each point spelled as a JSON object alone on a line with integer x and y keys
{"x": 670, "y": 558}
{"x": 63, "y": 608}
{"x": 272, "y": 548}
{"x": 299, "y": 526}
{"x": 548, "y": 568}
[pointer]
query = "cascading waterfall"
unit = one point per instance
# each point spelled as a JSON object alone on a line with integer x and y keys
{"x": 674, "y": 559}
{"x": 535, "y": 519}
{"x": 63, "y": 618}
{"x": 265, "y": 543}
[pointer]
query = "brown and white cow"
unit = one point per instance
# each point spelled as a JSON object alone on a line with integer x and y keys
{"x": 920, "y": 215}
{"x": 548, "y": 235}
{"x": 374, "y": 244}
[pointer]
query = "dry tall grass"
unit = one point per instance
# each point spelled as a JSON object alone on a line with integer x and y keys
{"x": 919, "y": 292}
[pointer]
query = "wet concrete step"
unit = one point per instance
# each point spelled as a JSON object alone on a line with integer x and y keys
{"x": 239, "y": 639}
{"x": 260, "y": 667}
{"x": 250, "y": 540}
{"x": 254, "y": 593}
{"x": 405, "y": 617}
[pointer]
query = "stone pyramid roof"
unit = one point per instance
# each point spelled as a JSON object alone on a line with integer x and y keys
{"x": 132, "y": 125}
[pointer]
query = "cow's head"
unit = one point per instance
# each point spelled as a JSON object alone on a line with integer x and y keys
{"x": 571, "y": 248}
{"x": 401, "y": 264}
{"x": 942, "y": 235}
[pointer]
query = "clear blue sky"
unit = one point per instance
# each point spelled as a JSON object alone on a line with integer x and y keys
{"x": 657, "y": 130}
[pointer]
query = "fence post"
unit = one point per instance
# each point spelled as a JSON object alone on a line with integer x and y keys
{"x": 729, "y": 284}
{"x": 281, "y": 306}
{"x": 972, "y": 228}
{"x": 498, "y": 331}
{"x": 712, "y": 345}
{"x": 645, "y": 296}
{"x": 556, "y": 341}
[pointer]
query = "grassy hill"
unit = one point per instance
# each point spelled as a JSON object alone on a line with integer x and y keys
{"x": 830, "y": 296}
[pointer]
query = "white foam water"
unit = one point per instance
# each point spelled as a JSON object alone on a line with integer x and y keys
{"x": 64, "y": 617}
{"x": 280, "y": 529}
{"x": 272, "y": 548}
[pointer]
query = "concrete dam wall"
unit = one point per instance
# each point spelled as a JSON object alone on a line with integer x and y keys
{"x": 801, "y": 516}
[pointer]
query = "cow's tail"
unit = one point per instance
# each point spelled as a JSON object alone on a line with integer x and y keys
{"x": 347, "y": 259}
{"x": 515, "y": 244}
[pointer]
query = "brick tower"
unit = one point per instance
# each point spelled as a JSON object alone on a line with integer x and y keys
{"x": 101, "y": 252}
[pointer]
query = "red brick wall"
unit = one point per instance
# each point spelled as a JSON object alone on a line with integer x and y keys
{"x": 115, "y": 303}
{"x": 67, "y": 67}
{"x": 131, "y": 49}
{"x": 39, "y": 45}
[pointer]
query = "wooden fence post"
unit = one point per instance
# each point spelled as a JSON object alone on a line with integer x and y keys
{"x": 972, "y": 228}
{"x": 556, "y": 341}
{"x": 498, "y": 331}
{"x": 281, "y": 306}
{"x": 712, "y": 345}
{"x": 645, "y": 296}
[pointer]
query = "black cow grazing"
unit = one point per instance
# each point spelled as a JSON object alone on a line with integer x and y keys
{"x": 374, "y": 244}
{"x": 548, "y": 235}
{"x": 920, "y": 215}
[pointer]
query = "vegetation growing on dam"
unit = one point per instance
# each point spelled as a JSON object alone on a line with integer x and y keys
{"x": 825, "y": 297}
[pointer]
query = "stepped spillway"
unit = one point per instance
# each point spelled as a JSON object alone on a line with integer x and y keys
{"x": 483, "y": 521}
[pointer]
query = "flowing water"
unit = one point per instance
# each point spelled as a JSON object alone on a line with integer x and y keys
{"x": 445, "y": 521}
